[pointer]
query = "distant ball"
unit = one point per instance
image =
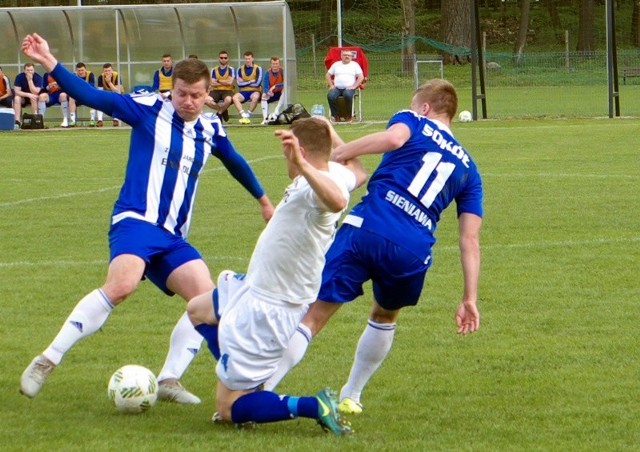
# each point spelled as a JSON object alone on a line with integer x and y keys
{"x": 133, "y": 389}
{"x": 465, "y": 116}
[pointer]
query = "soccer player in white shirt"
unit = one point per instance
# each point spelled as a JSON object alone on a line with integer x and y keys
{"x": 259, "y": 312}
{"x": 171, "y": 141}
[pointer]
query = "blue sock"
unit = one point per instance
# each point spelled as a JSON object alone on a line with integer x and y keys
{"x": 210, "y": 333}
{"x": 267, "y": 406}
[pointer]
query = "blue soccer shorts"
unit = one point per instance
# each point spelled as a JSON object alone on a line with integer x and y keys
{"x": 162, "y": 251}
{"x": 357, "y": 256}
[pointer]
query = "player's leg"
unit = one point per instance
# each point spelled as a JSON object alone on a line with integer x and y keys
{"x": 18, "y": 103}
{"x": 182, "y": 272}
{"x": 72, "y": 111}
{"x": 254, "y": 99}
{"x": 241, "y": 373}
{"x": 314, "y": 320}
{"x": 264, "y": 103}
{"x": 43, "y": 99}
{"x": 398, "y": 283}
{"x": 342, "y": 279}
{"x": 86, "y": 318}
{"x": 373, "y": 347}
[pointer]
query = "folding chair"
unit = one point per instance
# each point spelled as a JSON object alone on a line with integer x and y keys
{"x": 359, "y": 57}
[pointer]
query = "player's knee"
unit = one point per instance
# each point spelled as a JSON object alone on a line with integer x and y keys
{"x": 200, "y": 310}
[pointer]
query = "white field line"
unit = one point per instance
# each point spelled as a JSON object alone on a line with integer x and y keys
{"x": 450, "y": 248}
{"x": 102, "y": 190}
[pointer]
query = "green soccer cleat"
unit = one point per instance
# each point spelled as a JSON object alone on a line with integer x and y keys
{"x": 328, "y": 416}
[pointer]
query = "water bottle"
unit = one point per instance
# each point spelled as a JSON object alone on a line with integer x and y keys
{"x": 317, "y": 110}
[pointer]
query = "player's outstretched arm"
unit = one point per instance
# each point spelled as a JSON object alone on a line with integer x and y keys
{"x": 467, "y": 315}
{"x": 375, "y": 143}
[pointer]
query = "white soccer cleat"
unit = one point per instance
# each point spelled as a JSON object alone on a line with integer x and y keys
{"x": 65, "y": 123}
{"x": 35, "y": 375}
{"x": 171, "y": 390}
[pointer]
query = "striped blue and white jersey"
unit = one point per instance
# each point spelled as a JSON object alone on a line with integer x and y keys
{"x": 413, "y": 185}
{"x": 166, "y": 154}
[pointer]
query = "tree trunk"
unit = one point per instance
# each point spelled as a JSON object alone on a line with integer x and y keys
{"x": 408, "y": 31}
{"x": 556, "y": 24}
{"x": 456, "y": 27}
{"x": 523, "y": 31}
{"x": 586, "y": 37}
{"x": 635, "y": 24}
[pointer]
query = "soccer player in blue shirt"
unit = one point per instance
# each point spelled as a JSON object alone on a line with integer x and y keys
{"x": 387, "y": 237}
{"x": 171, "y": 141}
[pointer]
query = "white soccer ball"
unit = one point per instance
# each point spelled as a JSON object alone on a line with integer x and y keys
{"x": 133, "y": 389}
{"x": 465, "y": 116}
{"x": 272, "y": 117}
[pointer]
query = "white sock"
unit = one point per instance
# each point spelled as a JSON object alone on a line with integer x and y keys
{"x": 265, "y": 109}
{"x": 373, "y": 347}
{"x": 72, "y": 117}
{"x": 100, "y": 116}
{"x": 42, "y": 108}
{"x": 86, "y": 318}
{"x": 183, "y": 347}
{"x": 92, "y": 114}
{"x": 278, "y": 106}
{"x": 294, "y": 353}
{"x": 64, "y": 106}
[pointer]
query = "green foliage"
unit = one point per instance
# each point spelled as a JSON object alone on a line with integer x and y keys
{"x": 553, "y": 366}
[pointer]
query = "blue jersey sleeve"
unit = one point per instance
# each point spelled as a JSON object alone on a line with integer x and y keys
{"x": 156, "y": 81}
{"x": 238, "y": 167}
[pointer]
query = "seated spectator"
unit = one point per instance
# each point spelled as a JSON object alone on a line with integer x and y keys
{"x": 249, "y": 78}
{"x": 222, "y": 79}
{"x": 272, "y": 88}
{"x": 87, "y": 76}
{"x": 54, "y": 96}
{"x": 108, "y": 81}
{"x": 6, "y": 93}
{"x": 28, "y": 89}
{"x": 343, "y": 78}
{"x": 162, "y": 81}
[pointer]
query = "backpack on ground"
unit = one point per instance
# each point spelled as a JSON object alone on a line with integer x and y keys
{"x": 290, "y": 114}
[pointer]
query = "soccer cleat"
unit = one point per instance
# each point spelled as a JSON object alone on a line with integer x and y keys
{"x": 328, "y": 416}
{"x": 116, "y": 123}
{"x": 92, "y": 123}
{"x": 64, "y": 124}
{"x": 265, "y": 122}
{"x": 35, "y": 375}
{"x": 349, "y": 406}
{"x": 171, "y": 390}
{"x": 244, "y": 120}
{"x": 72, "y": 123}
{"x": 100, "y": 123}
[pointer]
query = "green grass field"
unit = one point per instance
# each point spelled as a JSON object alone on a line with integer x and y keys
{"x": 553, "y": 366}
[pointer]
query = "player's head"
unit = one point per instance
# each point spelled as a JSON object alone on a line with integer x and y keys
{"x": 29, "y": 68}
{"x": 81, "y": 69}
{"x": 437, "y": 97}
{"x": 223, "y": 57}
{"x": 275, "y": 63}
{"x": 190, "y": 88}
{"x": 314, "y": 136}
{"x": 167, "y": 61}
{"x": 248, "y": 58}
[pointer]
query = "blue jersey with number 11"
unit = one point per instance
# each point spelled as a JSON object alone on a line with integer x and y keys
{"x": 415, "y": 183}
